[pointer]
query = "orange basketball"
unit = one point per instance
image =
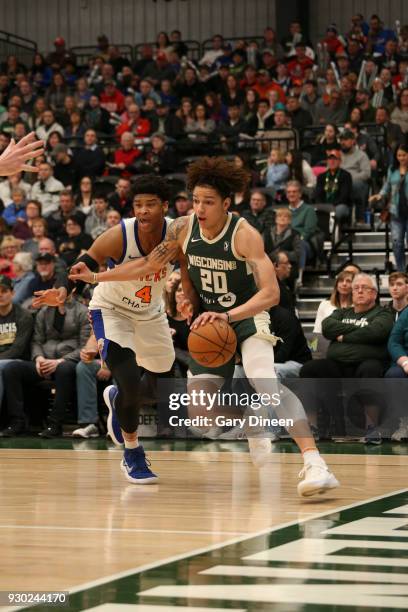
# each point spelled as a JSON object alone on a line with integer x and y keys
{"x": 213, "y": 344}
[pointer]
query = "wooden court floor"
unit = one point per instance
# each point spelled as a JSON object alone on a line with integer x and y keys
{"x": 70, "y": 521}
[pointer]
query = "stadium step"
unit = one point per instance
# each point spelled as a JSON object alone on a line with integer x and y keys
{"x": 366, "y": 260}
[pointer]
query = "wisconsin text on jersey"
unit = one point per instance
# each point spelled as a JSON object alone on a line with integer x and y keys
{"x": 211, "y": 263}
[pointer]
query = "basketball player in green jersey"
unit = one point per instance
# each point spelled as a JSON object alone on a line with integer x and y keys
{"x": 227, "y": 275}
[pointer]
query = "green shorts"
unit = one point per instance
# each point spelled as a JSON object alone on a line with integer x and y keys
{"x": 258, "y": 326}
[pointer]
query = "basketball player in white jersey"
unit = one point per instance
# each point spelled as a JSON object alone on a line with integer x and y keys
{"x": 128, "y": 317}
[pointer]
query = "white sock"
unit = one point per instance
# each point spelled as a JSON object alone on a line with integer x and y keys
{"x": 131, "y": 443}
{"x": 313, "y": 456}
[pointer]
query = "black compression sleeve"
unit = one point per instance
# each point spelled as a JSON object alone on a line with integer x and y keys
{"x": 80, "y": 285}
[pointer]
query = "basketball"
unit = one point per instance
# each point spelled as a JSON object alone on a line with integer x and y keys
{"x": 213, "y": 344}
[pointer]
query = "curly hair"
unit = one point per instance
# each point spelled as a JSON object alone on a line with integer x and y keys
{"x": 219, "y": 174}
{"x": 152, "y": 184}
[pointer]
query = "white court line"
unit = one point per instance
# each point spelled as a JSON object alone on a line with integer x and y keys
{"x": 124, "y": 529}
{"x": 198, "y": 551}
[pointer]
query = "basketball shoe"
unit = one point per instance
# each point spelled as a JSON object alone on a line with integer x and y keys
{"x": 136, "y": 467}
{"x": 317, "y": 479}
{"x": 114, "y": 430}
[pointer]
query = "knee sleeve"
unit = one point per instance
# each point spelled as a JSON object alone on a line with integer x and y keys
{"x": 258, "y": 362}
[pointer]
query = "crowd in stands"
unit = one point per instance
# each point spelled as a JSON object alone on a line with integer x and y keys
{"x": 322, "y": 124}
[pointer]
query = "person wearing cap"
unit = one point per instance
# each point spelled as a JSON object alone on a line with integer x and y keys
{"x": 356, "y": 162}
{"x": 65, "y": 168}
{"x": 159, "y": 69}
{"x": 60, "y": 56}
{"x": 335, "y": 187}
{"x": 182, "y": 205}
{"x": 265, "y": 85}
{"x": 45, "y": 276}
{"x": 111, "y": 98}
{"x": 16, "y": 327}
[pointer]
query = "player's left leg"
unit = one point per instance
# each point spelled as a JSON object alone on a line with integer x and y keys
{"x": 258, "y": 362}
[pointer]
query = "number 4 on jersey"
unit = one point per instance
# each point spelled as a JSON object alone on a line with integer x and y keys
{"x": 145, "y": 294}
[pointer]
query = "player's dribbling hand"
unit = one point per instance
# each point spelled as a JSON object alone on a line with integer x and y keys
{"x": 80, "y": 272}
{"x": 208, "y": 317}
{"x": 49, "y": 297}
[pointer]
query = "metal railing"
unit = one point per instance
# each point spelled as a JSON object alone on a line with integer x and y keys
{"x": 193, "y": 46}
{"x": 23, "y": 48}
{"x": 84, "y": 53}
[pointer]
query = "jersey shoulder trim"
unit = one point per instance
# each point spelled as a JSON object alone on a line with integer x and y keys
{"x": 239, "y": 222}
{"x": 189, "y": 231}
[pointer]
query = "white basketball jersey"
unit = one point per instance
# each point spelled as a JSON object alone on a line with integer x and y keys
{"x": 143, "y": 297}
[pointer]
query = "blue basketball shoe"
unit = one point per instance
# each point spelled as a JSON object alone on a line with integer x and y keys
{"x": 112, "y": 423}
{"x": 136, "y": 467}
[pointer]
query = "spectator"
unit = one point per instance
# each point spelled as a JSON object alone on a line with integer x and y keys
{"x": 89, "y": 371}
{"x": 265, "y": 85}
{"x": 159, "y": 70}
{"x": 136, "y": 124}
{"x": 15, "y": 210}
{"x": 23, "y": 230}
{"x": 398, "y": 350}
{"x": 341, "y": 297}
{"x": 178, "y": 325}
{"x": 393, "y": 132}
{"x": 334, "y": 111}
{"x": 82, "y": 93}
{"x": 399, "y": 115}
{"x": 261, "y": 120}
{"x": 112, "y": 100}
{"x": 210, "y": 57}
{"x": 121, "y": 200}
{"x": 90, "y": 159}
{"x": 23, "y": 269}
{"x": 45, "y": 276}
{"x": 97, "y": 118}
{"x": 65, "y": 169}
{"x": 292, "y": 352}
{"x": 74, "y": 241}
{"x": 59, "y": 334}
{"x": 294, "y": 36}
{"x": 16, "y": 326}
{"x": 36, "y": 116}
{"x": 260, "y": 215}
{"x": 83, "y": 200}
{"x": 66, "y": 208}
{"x": 47, "y": 189}
{"x": 335, "y": 187}
{"x": 125, "y": 157}
{"x": 377, "y": 36}
{"x": 201, "y": 127}
{"x": 13, "y": 182}
{"x": 398, "y": 288}
{"x": 283, "y": 269}
{"x": 163, "y": 44}
{"x": 13, "y": 116}
{"x": 358, "y": 347}
{"x": 300, "y": 64}
{"x": 310, "y": 100}
{"x": 158, "y": 158}
{"x": 95, "y": 223}
{"x": 299, "y": 117}
{"x": 112, "y": 218}
{"x": 48, "y": 125}
{"x": 46, "y": 245}
{"x": 277, "y": 173}
{"x": 61, "y": 55}
{"x": 146, "y": 91}
{"x": 396, "y": 189}
{"x": 74, "y": 132}
{"x": 357, "y": 164}
{"x": 231, "y": 128}
{"x": 8, "y": 249}
{"x": 39, "y": 230}
{"x": 366, "y": 144}
{"x": 300, "y": 170}
{"x": 182, "y": 205}
{"x": 326, "y": 142}
{"x": 364, "y": 104}
{"x": 282, "y": 237}
{"x": 304, "y": 221}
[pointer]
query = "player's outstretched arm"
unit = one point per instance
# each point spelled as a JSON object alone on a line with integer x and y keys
{"x": 249, "y": 244}
{"x": 14, "y": 157}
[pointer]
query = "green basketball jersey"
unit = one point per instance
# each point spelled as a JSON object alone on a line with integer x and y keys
{"x": 220, "y": 276}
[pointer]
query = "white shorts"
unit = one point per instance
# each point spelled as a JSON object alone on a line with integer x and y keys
{"x": 150, "y": 340}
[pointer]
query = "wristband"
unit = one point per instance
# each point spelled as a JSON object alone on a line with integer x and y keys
{"x": 228, "y": 318}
